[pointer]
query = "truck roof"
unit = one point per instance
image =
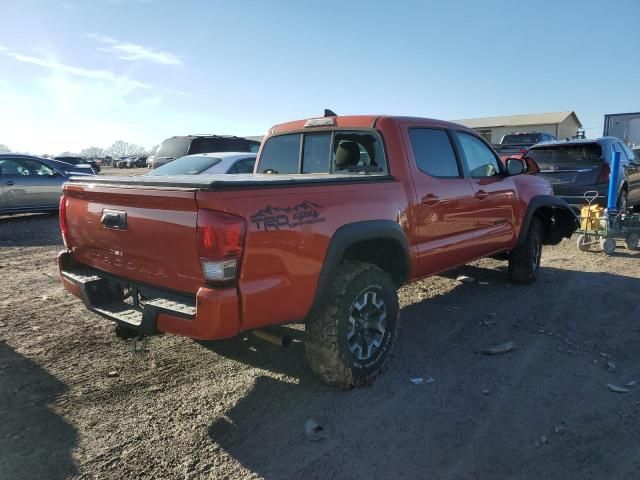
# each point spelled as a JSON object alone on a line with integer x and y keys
{"x": 364, "y": 121}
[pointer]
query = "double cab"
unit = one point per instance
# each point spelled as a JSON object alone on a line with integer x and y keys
{"x": 339, "y": 213}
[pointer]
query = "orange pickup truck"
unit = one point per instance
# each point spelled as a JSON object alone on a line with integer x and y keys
{"x": 340, "y": 212}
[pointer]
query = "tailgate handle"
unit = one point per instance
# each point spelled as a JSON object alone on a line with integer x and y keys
{"x": 116, "y": 219}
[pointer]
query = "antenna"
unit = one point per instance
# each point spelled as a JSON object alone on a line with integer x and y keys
{"x": 329, "y": 113}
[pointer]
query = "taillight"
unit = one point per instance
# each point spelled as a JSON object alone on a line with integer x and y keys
{"x": 220, "y": 244}
{"x": 605, "y": 173}
{"x": 64, "y": 226}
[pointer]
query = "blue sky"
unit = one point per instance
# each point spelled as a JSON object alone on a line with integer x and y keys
{"x": 75, "y": 74}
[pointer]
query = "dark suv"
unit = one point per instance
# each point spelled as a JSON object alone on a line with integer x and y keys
{"x": 576, "y": 166}
{"x": 176, "y": 147}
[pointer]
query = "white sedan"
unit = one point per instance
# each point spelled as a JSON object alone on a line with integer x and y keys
{"x": 208, "y": 164}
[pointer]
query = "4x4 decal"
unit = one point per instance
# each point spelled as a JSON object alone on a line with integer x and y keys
{"x": 275, "y": 218}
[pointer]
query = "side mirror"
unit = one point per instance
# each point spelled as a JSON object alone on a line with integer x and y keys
{"x": 515, "y": 166}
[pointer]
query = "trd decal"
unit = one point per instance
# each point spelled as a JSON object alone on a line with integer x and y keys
{"x": 275, "y": 218}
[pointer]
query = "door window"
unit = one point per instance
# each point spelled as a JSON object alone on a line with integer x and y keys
{"x": 24, "y": 166}
{"x": 480, "y": 159}
{"x": 433, "y": 152}
{"x": 617, "y": 147}
{"x": 243, "y": 166}
{"x": 33, "y": 167}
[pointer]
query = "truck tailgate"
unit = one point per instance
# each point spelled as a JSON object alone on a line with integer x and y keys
{"x": 146, "y": 235}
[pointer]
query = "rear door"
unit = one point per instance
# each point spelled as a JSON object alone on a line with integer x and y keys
{"x": 28, "y": 183}
{"x": 444, "y": 216}
{"x": 494, "y": 195}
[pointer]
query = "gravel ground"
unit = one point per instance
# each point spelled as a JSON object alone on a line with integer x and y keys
{"x": 77, "y": 402}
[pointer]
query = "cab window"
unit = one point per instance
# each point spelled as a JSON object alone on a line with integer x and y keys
{"x": 479, "y": 158}
{"x": 433, "y": 152}
{"x": 281, "y": 154}
{"x": 341, "y": 151}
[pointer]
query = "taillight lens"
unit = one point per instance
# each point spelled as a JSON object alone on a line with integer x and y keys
{"x": 64, "y": 226}
{"x": 605, "y": 173}
{"x": 220, "y": 244}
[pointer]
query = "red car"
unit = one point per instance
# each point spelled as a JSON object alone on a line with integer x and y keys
{"x": 341, "y": 211}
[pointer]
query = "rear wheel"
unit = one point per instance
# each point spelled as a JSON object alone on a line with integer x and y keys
{"x": 348, "y": 339}
{"x": 632, "y": 241}
{"x": 524, "y": 261}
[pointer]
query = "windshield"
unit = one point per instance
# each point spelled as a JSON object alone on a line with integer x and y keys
{"x": 191, "y": 165}
{"x": 520, "y": 138}
{"x": 563, "y": 154}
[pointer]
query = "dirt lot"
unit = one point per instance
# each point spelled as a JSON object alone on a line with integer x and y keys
{"x": 236, "y": 409}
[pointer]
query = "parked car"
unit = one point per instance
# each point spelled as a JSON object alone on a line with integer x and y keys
{"x": 177, "y": 147}
{"x": 209, "y": 164}
{"x": 80, "y": 161}
{"x": 514, "y": 145}
{"x": 576, "y": 166}
{"x": 136, "y": 161}
{"x": 33, "y": 184}
{"x": 354, "y": 207}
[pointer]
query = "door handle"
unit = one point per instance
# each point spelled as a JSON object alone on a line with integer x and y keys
{"x": 480, "y": 194}
{"x": 430, "y": 199}
{"x": 10, "y": 182}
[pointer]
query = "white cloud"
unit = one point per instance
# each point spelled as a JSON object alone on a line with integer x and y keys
{"x": 77, "y": 71}
{"x": 133, "y": 52}
{"x": 68, "y": 6}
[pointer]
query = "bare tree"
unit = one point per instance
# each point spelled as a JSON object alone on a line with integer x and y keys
{"x": 92, "y": 152}
{"x": 4, "y": 148}
{"x": 120, "y": 148}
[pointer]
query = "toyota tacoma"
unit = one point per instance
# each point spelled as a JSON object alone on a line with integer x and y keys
{"x": 340, "y": 212}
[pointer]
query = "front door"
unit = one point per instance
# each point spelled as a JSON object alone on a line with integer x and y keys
{"x": 494, "y": 193}
{"x": 443, "y": 214}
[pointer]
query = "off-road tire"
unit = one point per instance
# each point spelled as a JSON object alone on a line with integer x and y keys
{"x": 326, "y": 331}
{"x": 524, "y": 261}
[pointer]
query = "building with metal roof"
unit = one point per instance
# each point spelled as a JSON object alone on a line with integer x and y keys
{"x": 559, "y": 124}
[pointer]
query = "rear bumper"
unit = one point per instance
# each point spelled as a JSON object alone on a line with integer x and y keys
{"x": 575, "y": 196}
{"x": 209, "y": 315}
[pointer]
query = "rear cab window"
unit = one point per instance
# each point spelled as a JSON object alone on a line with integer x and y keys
{"x": 336, "y": 152}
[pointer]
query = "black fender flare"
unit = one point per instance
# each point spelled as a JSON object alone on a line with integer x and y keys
{"x": 564, "y": 220}
{"x": 350, "y": 234}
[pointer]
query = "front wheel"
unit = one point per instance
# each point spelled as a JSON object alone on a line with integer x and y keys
{"x": 524, "y": 261}
{"x": 348, "y": 339}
